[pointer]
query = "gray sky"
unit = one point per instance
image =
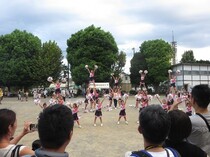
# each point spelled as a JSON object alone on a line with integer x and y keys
{"x": 129, "y": 21}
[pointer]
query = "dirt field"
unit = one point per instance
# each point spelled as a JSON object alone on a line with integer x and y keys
{"x": 111, "y": 140}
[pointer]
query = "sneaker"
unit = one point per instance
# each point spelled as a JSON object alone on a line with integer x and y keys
{"x": 118, "y": 122}
{"x": 137, "y": 122}
{"x": 126, "y": 122}
{"x": 101, "y": 124}
{"x": 94, "y": 124}
{"x": 80, "y": 126}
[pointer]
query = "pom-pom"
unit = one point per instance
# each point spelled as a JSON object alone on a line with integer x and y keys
{"x": 112, "y": 74}
{"x": 178, "y": 71}
{"x": 125, "y": 95}
{"x": 169, "y": 71}
{"x": 49, "y": 79}
{"x": 145, "y": 71}
{"x": 86, "y": 66}
{"x": 96, "y": 67}
{"x": 140, "y": 71}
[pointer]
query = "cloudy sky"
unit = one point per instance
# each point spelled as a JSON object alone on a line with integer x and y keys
{"x": 129, "y": 21}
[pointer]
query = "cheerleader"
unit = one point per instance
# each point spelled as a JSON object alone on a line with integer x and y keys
{"x": 75, "y": 110}
{"x": 53, "y": 100}
{"x": 91, "y": 73}
{"x": 163, "y": 102}
{"x": 142, "y": 78}
{"x": 87, "y": 99}
{"x": 122, "y": 111}
{"x": 144, "y": 100}
{"x": 98, "y": 112}
{"x": 37, "y": 98}
{"x": 138, "y": 97}
{"x": 111, "y": 94}
{"x": 116, "y": 80}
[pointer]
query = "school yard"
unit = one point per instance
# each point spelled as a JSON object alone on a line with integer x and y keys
{"x": 110, "y": 140}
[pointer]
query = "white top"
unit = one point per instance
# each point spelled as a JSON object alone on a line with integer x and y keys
{"x": 154, "y": 154}
{"x": 6, "y": 152}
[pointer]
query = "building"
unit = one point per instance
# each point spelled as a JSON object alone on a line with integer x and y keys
{"x": 126, "y": 82}
{"x": 191, "y": 74}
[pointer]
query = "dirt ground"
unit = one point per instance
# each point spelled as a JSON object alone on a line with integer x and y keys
{"x": 110, "y": 140}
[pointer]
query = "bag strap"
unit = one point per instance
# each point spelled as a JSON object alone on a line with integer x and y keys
{"x": 175, "y": 152}
{"x": 141, "y": 153}
{"x": 204, "y": 120}
{"x": 16, "y": 150}
{"x": 8, "y": 151}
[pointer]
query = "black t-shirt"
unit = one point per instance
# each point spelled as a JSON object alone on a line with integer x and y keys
{"x": 186, "y": 149}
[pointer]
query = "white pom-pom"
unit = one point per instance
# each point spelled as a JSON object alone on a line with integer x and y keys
{"x": 169, "y": 71}
{"x": 96, "y": 67}
{"x": 125, "y": 95}
{"x": 49, "y": 79}
{"x": 145, "y": 71}
{"x": 140, "y": 71}
{"x": 112, "y": 74}
{"x": 63, "y": 80}
{"x": 178, "y": 71}
{"x": 86, "y": 66}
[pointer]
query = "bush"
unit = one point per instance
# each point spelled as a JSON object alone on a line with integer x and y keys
{"x": 133, "y": 92}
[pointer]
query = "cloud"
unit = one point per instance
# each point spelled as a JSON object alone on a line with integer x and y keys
{"x": 130, "y": 22}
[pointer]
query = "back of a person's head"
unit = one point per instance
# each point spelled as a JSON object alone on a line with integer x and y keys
{"x": 55, "y": 125}
{"x": 155, "y": 124}
{"x": 201, "y": 95}
{"x": 180, "y": 126}
{"x": 7, "y": 118}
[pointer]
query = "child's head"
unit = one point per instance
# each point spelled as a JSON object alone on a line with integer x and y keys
{"x": 164, "y": 101}
{"x": 75, "y": 105}
{"x": 44, "y": 105}
{"x": 36, "y": 144}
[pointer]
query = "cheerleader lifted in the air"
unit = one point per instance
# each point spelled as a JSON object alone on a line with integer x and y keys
{"x": 142, "y": 79}
{"x": 116, "y": 80}
{"x": 172, "y": 79}
{"x": 91, "y": 73}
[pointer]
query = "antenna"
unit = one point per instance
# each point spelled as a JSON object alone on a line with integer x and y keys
{"x": 174, "y": 48}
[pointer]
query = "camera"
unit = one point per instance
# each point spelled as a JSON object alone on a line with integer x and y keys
{"x": 33, "y": 127}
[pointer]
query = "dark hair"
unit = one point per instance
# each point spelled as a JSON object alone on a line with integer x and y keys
{"x": 155, "y": 124}
{"x": 36, "y": 144}
{"x": 7, "y": 118}
{"x": 54, "y": 126}
{"x": 201, "y": 95}
{"x": 180, "y": 126}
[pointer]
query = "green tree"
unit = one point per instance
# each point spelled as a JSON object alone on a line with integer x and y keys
{"x": 49, "y": 62}
{"x": 24, "y": 62}
{"x": 188, "y": 57}
{"x": 138, "y": 62}
{"x": 157, "y": 54}
{"x": 91, "y": 46}
{"x": 18, "y": 52}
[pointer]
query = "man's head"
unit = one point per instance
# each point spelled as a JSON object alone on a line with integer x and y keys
{"x": 154, "y": 124}
{"x": 55, "y": 126}
{"x": 201, "y": 95}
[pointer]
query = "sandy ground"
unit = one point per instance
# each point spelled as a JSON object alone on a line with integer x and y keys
{"x": 111, "y": 140}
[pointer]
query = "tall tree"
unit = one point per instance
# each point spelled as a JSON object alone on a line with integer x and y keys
{"x": 18, "y": 51}
{"x": 157, "y": 54}
{"x": 24, "y": 62}
{"x": 188, "y": 57}
{"x": 138, "y": 62}
{"x": 91, "y": 46}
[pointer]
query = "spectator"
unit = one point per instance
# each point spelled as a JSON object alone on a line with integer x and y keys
{"x": 1, "y": 95}
{"x": 180, "y": 129}
{"x": 154, "y": 125}
{"x": 55, "y": 128}
{"x": 200, "y": 135}
{"x": 8, "y": 125}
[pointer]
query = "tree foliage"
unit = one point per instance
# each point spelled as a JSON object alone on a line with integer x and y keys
{"x": 91, "y": 46}
{"x": 23, "y": 62}
{"x": 188, "y": 57}
{"x": 155, "y": 56}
